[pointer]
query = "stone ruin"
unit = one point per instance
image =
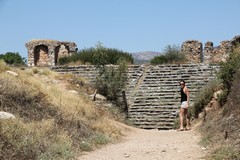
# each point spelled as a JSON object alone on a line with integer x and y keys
{"x": 192, "y": 50}
{"x": 195, "y": 53}
{"x": 48, "y": 52}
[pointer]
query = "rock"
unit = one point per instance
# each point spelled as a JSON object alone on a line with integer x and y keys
{"x": 100, "y": 97}
{"x": 6, "y": 115}
{"x": 73, "y": 92}
{"x": 12, "y": 73}
{"x": 200, "y": 115}
{"x": 164, "y": 151}
{"x": 217, "y": 93}
{"x": 126, "y": 155}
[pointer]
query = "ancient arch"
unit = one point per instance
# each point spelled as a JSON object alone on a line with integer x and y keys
{"x": 47, "y": 52}
{"x": 40, "y": 55}
{"x": 56, "y": 51}
{"x": 60, "y": 51}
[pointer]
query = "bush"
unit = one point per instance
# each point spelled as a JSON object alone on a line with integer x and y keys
{"x": 171, "y": 54}
{"x": 204, "y": 96}
{"x": 34, "y": 141}
{"x": 97, "y": 56}
{"x": 3, "y": 65}
{"x": 13, "y": 58}
{"x": 112, "y": 80}
{"x": 227, "y": 72}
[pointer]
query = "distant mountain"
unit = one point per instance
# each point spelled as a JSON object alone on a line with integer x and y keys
{"x": 144, "y": 57}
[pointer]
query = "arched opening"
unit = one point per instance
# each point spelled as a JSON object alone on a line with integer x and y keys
{"x": 56, "y": 51}
{"x": 60, "y": 51}
{"x": 41, "y": 55}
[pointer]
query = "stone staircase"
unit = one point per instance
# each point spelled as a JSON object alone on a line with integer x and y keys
{"x": 154, "y": 103}
{"x": 153, "y": 91}
{"x": 89, "y": 72}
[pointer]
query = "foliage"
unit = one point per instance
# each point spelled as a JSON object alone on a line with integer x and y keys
{"x": 225, "y": 152}
{"x": 13, "y": 58}
{"x": 99, "y": 55}
{"x": 221, "y": 126}
{"x": 204, "y": 97}
{"x": 159, "y": 60}
{"x": 112, "y": 80}
{"x": 227, "y": 72}
{"x": 171, "y": 54}
{"x": 3, "y": 65}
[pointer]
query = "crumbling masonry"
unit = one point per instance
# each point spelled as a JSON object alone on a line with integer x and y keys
{"x": 195, "y": 53}
{"x": 47, "y": 52}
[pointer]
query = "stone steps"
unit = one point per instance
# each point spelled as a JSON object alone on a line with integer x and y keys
{"x": 157, "y": 98}
{"x": 153, "y": 91}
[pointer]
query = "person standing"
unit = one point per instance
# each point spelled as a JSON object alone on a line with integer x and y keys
{"x": 184, "y": 106}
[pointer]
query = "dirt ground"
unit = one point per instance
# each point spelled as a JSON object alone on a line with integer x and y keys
{"x": 139, "y": 144}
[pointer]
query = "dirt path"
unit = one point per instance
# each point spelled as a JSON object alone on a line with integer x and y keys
{"x": 152, "y": 145}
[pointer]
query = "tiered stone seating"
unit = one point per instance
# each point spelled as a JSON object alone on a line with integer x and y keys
{"x": 157, "y": 98}
{"x": 153, "y": 91}
{"x": 89, "y": 72}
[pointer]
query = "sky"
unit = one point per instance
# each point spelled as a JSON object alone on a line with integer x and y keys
{"x": 127, "y": 25}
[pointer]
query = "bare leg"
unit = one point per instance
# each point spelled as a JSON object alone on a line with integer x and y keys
{"x": 181, "y": 114}
{"x": 187, "y": 119}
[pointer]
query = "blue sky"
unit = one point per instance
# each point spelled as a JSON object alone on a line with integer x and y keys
{"x": 128, "y": 25}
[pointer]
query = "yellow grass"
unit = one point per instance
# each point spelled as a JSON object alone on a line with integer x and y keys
{"x": 71, "y": 120}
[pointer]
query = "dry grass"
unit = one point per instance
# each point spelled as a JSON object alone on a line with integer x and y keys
{"x": 51, "y": 123}
{"x": 222, "y": 127}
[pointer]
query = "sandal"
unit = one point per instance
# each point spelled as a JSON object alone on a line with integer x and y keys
{"x": 180, "y": 129}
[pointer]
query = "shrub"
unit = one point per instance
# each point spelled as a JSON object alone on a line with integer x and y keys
{"x": 13, "y": 58}
{"x": 204, "y": 97}
{"x": 225, "y": 152}
{"x": 227, "y": 71}
{"x": 34, "y": 141}
{"x": 97, "y": 56}
{"x": 3, "y": 65}
{"x": 171, "y": 54}
{"x": 112, "y": 80}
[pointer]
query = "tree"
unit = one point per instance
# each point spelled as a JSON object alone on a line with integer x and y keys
{"x": 98, "y": 55}
{"x": 171, "y": 54}
{"x": 13, "y": 58}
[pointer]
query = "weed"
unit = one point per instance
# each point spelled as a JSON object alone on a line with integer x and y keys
{"x": 3, "y": 66}
{"x": 204, "y": 96}
{"x": 50, "y": 123}
{"x": 35, "y": 70}
{"x": 225, "y": 152}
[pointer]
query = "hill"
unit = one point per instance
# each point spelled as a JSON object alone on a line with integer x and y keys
{"x": 221, "y": 126}
{"x": 53, "y": 121}
{"x": 144, "y": 57}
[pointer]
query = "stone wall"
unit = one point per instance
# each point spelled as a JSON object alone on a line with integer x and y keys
{"x": 47, "y": 52}
{"x": 210, "y": 54}
{"x": 192, "y": 50}
{"x": 153, "y": 91}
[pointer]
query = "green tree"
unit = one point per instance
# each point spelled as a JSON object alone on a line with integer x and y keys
{"x": 112, "y": 79}
{"x": 98, "y": 55}
{"x": 171, "y": 54}
{"x": 13, "y": 58}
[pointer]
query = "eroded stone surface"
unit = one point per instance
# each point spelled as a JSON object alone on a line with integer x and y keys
{"x": 47, "y": 52}
{"x": 210, "y": 54}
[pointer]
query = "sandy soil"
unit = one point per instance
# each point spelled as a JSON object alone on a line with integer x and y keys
{"x": 139, "y": 144}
